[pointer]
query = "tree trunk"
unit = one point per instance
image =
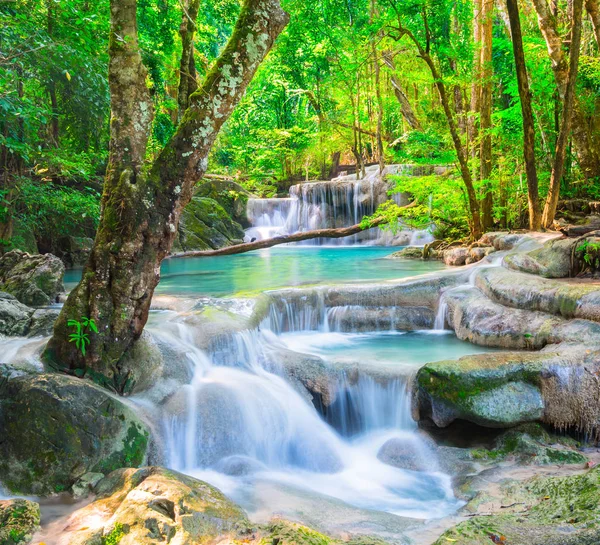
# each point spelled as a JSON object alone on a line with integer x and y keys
{"x": 535, "y": 218}
{"x": 187, "y": 65}
{"x": 380, "y": 154}
{"x": 339, "y": 232}
{"x": 476, "y": 80}
{"x": 585, "y": 144}
{"x": 141, "y": 208}
{"x": 565, "y": 128}
{"x": 593, "y": 10}
{"x": 485, "y": 116}
{"x": 405, "y": 107}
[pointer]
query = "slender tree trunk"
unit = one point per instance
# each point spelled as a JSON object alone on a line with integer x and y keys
{"x": 535, "y": 218}
{"x": 405, "y": 107}
{"x": 54, "y": 129}
{"x": 485, "y": 117}
{"x": 187, "y": 66}
{"x": 380, "y": 153}
{"x": 476, "y": 81}
{"x": 565, "y": 128}
{"x": 586, "y": 145}
{"x": 593, "y": 9}
{"x": 141, "y": 207}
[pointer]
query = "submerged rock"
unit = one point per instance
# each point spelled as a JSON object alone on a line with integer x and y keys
{"x": 19, "y": 520}
{"x": 155, "y": 505}
{"x": 55, "y": 428}
{"x": 35, "y": 280}
{"x": 407, "y": 452}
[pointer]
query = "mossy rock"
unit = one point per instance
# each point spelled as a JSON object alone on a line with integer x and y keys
{"x": 56, "y": 428}
{"x": 531, "y": 444}
{"x": 493, "y": 390}
{"x": 35, "y": 280}
{"x": 552, "y": 260}
{"x": 206, "y": 225}
{"x": 232, "y": 197}
{"x": 284, "y": 532}
{"x": 155, "y": 505}
{"x": 19, "y": 520}
{"x": 410, "y": 252}
{"x": 539, "y": 511}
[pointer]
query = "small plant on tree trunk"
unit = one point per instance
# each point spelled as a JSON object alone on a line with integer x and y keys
{"x": 81, "y": 336}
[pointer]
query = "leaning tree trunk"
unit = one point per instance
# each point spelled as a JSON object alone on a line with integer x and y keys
{"x": 141, "y": 207}
{"x": 593, "y": 10}
{"x": 535, "y": 218}
{"x": 565, "y": 128}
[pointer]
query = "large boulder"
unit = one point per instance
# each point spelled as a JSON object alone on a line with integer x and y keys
{"x": 155, "y": 505}
{"x": 35, "y": 280}
{"x": 456, "y": 257}
{"x": 19, "y": 520}
{"x": 504, "y": 389}
{"x": 55, "y": 428}
{"x": 205, "y": 225}
{"x": 230, "y": 195}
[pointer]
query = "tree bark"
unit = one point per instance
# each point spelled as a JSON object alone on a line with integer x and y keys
{"x": 485, "y": 116}
{"x": 339, "y": 232}
{"x": 535, "y": 219}
{"x": 585, "y": 144}
{"x": 593, "y": 10}
{"x": 565, "y": 127}
{"x": 405, "y": 107}
{"x": 141, "y": 207}
{"x": 458, "y": 145}
{"x": 187, "y": 66}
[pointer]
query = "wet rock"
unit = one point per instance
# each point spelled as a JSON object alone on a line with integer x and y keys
{"x": 478, "y": 253}
{"x": 141, "y": 366}
{"x": 410, "y": 252}
{"x": 85, "y": 485}
{"x": 14, "y": 316}
{"x": 456, "y": 256}
{"x": 553, "y": 260}
{"x": 407, "y": 452}
{"x": 479, "y": 320}
{"x": 503, "y": 389}
{"x": 155, "y": 505}
{"x": 230, "y": 195}
{"x": 35, "y": 280}
{"x": 525, "y": 291}
{"x": 531, "y": 444}
{"x": 19, "y": 520}
{"x": 56, "y": 428}
{"x": 205, "y": 225}
{"x": 539, "y": 511}
{"x": 238, "y": 465}
{"x": 42, "y": 322}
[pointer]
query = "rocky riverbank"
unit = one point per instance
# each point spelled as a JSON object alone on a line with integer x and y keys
{"x": 66, "y": 435}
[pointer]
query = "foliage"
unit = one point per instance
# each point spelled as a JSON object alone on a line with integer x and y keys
{"x": 589, "y": 252}
{"x": 428, "y": 147}
{"x": 81, "y": 336}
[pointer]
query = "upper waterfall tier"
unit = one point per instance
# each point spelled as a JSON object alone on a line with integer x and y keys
{"x": 341, "y": 202}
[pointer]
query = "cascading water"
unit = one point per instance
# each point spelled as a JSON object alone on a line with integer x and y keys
{"x": 240, "y": 422}
{"x": 341, "y": 202}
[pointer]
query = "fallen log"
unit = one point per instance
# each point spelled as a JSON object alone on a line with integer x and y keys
{"x": 340, "y": 232}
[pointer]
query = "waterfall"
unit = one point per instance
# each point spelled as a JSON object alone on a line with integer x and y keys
{"x": 240, "y": 417}
{"x": 341, "y": 202}
{"x": 442, "y": 312}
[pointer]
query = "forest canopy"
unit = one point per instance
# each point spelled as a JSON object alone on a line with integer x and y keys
{"x": 348, "y": 82}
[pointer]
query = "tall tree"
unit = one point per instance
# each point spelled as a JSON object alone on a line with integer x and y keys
{"x": 424, "y": 51}
{"x": 141, "y": 205}
{"x": 535, "y": 218}
{"x": 187, "y": 65}
{"x": 587, "y": 147}
{"x": 567, "y": 116}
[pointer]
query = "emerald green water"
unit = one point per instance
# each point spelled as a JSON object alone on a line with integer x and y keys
{"x": 279, "y": 267}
